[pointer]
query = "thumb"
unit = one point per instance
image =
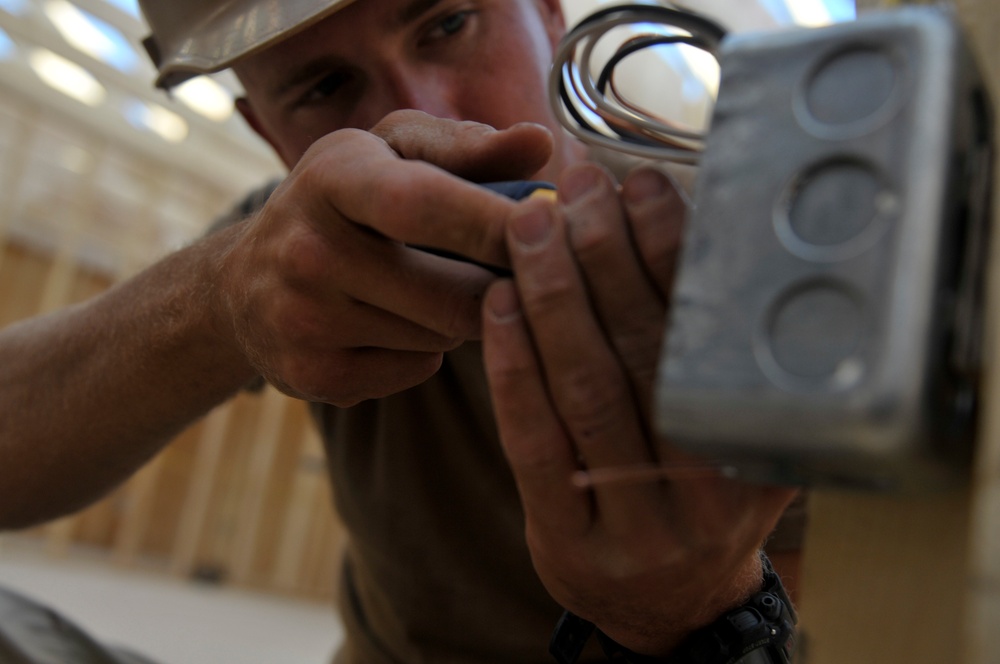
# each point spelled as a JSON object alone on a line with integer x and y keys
{"x": 470, "y": 150}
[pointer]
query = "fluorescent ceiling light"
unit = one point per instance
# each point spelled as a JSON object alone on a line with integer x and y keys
{"x": 809, "y": 13}
{"x": 130, "y": 7}
{"x": 77, "y": 159}
{"x": 7, "y": 46}
{"x": 152, "y": 117}
{"x": 704, "y": 67}
{"x": 13, "y": 6}
{"x": 67, "y": 77}
{"x": 91, "y": 35}
{"x": 206, "y": 97}
{"x": 842, "y": 10}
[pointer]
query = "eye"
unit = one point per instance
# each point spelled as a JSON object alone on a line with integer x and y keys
{"x": 450, "y": 25}
{"x": 327, "y": 86}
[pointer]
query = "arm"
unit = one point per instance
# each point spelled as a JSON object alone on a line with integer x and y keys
{"x": 91, "y": 392}
{"x": 571, "y": 352}
{"x": 311, "y": 293}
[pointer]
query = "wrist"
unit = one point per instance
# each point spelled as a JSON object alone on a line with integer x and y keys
{"x": 693, "y": 605}
{"x": 761, "y": 627}
{"x": 221, "y": 300}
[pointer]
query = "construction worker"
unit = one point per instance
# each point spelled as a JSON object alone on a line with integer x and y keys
{"x": 465, "y": 546}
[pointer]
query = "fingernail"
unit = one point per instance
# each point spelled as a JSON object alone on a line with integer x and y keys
{"x": 644, "y": 185}
{"x": 532, "y": 227}
{"x": 502, "y": 302}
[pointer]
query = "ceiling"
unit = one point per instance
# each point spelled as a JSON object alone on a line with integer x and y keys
{"x": 87, "y": 143}
{"x": 221, "y": 149}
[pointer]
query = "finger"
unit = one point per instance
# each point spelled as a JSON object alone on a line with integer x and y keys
{"x": 541, "y": 456}
{"x": 314, "y": 324}
{"x": 629, "y": 305}
{"x": 439, "y": 294}
{"x": 342, "y": 258}
{"x": 656, "y": 208}
{"x": 412, "y": 202}
{"x": 470, "y": 150}
{"x": 584, "y": 378}
{"x": 345, "y": 378}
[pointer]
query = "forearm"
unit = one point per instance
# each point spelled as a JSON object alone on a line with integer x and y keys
{"x": 90, "y": 393}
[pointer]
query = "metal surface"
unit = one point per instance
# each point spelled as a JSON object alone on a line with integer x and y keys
{"x": 192, "y": 37}
{"x": 826, "y": 313}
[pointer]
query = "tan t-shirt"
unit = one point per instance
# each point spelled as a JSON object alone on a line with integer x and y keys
{"x": 437, "y": 569}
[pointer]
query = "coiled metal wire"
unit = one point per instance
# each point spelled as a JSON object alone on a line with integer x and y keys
{"x": 593, "y": 108}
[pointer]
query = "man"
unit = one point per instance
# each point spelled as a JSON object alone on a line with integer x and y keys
{"x": 322, "y": 292}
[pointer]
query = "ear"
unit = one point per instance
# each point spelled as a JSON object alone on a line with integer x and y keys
{"x": 246, "y": 109}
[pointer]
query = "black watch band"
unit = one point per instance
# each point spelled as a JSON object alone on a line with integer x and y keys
{"x": 761, "y": 631}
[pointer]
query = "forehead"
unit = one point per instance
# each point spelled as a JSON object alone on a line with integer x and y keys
{"x": 363, "y": 25}
{"x": 364, "y": 21}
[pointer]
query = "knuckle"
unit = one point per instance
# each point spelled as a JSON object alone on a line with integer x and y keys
{"x": 532, "y": 460}
{"x": 398, "y": 120}
{"x": 591, "y": 404}
{"x": 591, "y": 236}
{"x": 507, "y": 371}
{"x": 398, "y": 198}
{"x": 472, "y": 132}
{"x": 545, "y": 295}
{"x": 301, "y": 330}
{"x": 302, "y": 256}
{"x": 597, "y": 236}
{"x": 310, "y": 174}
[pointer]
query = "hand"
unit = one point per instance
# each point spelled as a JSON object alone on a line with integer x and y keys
{"x": 571, "y": 352}
{"x": 321, "y": 292}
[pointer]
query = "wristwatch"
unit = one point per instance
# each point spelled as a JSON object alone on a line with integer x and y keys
{"x": 761, "y": 631}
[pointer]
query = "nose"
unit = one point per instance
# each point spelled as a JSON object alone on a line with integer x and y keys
{"x": 422, "y": 88}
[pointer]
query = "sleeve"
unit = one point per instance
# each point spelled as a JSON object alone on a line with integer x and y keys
{"x": 246, "y": 208}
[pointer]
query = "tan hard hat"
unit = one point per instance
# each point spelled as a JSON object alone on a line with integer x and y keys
{"x": 192, "y": 37}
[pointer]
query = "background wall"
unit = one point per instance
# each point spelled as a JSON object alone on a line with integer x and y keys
{"x": 93, "y": 190}
{"x": 240, "y": 497}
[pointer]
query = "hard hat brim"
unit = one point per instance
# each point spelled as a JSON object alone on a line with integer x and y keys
{"x": 182, "y": 49}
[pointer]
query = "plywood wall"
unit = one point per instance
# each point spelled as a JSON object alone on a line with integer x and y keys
{"x": 241, "y": 497}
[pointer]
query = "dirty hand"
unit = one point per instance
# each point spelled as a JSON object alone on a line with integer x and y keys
{"x": 322, "y": 292}
{"x": 571, "y": 349}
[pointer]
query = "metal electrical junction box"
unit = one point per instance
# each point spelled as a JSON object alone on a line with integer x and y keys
{"x": 826, "y": 317}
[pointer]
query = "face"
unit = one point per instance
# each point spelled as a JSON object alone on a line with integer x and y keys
{"x": 480, "y": 60}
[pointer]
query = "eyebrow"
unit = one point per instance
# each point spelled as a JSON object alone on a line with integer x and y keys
{"x": 303, "y": 74}
{"x": 415, "y": 10}
{"x": 407, "y": 14}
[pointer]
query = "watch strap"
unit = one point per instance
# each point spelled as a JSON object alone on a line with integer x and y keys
{"x": 570, "y": 638}
{"x": 763, "y": 627}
